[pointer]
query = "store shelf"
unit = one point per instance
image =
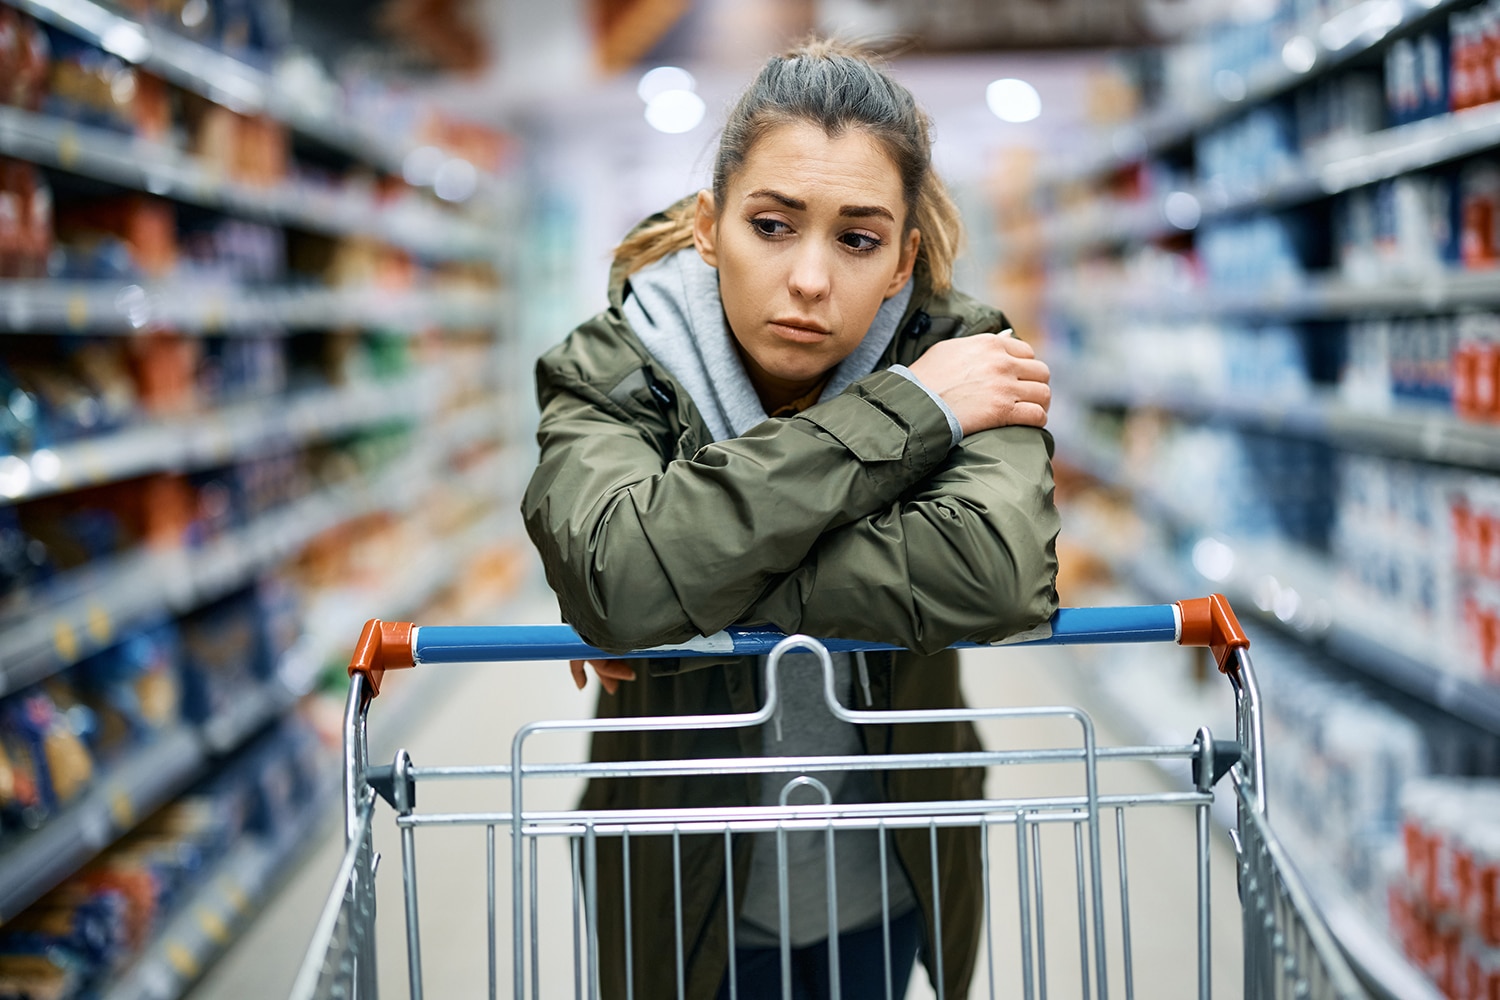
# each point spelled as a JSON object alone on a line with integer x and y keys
{"x": 1429, "y": 435}
{"x": 217, "y": 437}
{"x": 213, "y": 74}
{"x": 236, "y": 888}
{"x": 153, "y": 775}
{"x": 158, "y": 772}
{"x": 1297, "y": 591}
{"x": 206, "y": 308}
{"x": 1325, "y": 171}
{"x": 1315, "y": 50}
{"x": 171, "y": 173}
{"x": 104, "y": 600}
{"x": 1097, "y": 300}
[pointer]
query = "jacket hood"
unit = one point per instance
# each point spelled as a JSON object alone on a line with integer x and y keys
{"x": 674, "y": 308}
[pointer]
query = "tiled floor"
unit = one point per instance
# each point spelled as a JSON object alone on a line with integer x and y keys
{"x": 482, "y": 705}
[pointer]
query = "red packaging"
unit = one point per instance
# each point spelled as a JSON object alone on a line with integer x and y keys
{"x": 1479, "y": 194}
{"x": 147, "y": 225}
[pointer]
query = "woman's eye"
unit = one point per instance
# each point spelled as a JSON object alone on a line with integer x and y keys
{"x": 860, "y": 241}
{"x": 770, "y": 227}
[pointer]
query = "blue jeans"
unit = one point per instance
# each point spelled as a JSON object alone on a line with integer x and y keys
{"x": 861, "y": 966}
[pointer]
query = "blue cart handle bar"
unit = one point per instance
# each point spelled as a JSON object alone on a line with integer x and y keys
{"x": 1202, "y": 621}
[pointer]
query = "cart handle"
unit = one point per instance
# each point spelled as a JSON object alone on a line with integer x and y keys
{"x": 1200, "y": 621}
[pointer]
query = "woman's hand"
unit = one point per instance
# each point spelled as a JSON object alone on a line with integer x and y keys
{"x": 988, "y": 380}
{"x": 611, "y": 673}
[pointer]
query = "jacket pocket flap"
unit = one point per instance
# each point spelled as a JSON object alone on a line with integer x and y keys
{"x": 867, "y": 431}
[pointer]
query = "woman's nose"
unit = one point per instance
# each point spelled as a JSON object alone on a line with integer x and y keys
{"x": 810, "y": 275}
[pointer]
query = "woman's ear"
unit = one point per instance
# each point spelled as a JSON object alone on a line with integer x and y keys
{"x": 905, "y": 265}
{"x": 706, "y": 228}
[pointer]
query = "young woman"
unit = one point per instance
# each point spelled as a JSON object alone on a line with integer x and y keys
{"x": 787, "y": 416}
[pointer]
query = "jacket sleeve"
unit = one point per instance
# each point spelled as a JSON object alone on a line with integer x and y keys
{"x": 642, "y": 552}
{"x": 969, "y": 555}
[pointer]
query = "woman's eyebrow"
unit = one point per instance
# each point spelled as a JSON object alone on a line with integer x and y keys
{"x": 848, "y": 211}
{"x": 865, "y": 211}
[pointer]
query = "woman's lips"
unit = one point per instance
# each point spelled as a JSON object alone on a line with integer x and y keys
{"x": 799, "y": 332}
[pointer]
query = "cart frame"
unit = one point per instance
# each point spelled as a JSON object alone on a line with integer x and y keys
{"x": 1288, "y": 950}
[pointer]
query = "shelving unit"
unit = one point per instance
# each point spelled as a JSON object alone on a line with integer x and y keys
{"x": 1423, "y": 434}
{"x": 1309, "y": 608}
{"x": 229, "y": 433}
{"x": 1337, "y": 166}
{"x": 1316, "y": 49}
{"x": 1121, "y": 275}
{"x": 159, "y": 169}
{"x": 445, "y": 388}
{"x": 127, "y": 309}
{"x": 217, "y": 76}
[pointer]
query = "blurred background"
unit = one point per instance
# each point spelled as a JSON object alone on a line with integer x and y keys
{"x": 273, "y": 274}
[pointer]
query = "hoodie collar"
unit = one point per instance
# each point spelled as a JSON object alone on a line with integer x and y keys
{"x": 673, "y": 305}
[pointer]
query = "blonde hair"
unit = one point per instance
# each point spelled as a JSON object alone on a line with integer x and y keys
{"x": 839, "y": 87}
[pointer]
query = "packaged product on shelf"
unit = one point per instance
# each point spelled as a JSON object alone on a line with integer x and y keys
{"x": 165, "y": 367}
{"x": 1395, "y": 548}
{"x": 1476, "y": 367}
{"x": 1402, "y": 363}
{"x": 76, "y": 387}
{"x": 1255, "y": 254}
{"x": 132, "y": 688}
{"x": 1445, "y": 908}
{"x": 223, "y": 655}
{"x": 262, "y": 484}
{"x": 1338, "y": 774}
{"x": 105, "y": 366}
{"x": 1250, "y": 150}
{"x": 92, "y": 233}
{"x": 88, "y": 85}
{"x": 1416, "y": 77}
{"x": 23, "y": 560}
{"x": 1475, "y": 33}
{"x": 222, "y": 249}
{"x": 256, "y": 30}
{"x": 25, "y": 57}
{"x": 1400, "y": 228}
{"x": 1479, "y": 215}
{"x": 1345, "y": 106}
{"x": 238, "y": 368}
{"x": 42, "y": 745}
{"x": 79, "y": 528}
{"x": 20, "y": 415}
{"x": 68, "y": 406}
{"x": 26, "y": 222}
{"x": 250, "y": 150}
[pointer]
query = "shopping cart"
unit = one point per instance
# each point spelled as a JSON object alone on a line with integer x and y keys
{"x": 1288, "y": 951}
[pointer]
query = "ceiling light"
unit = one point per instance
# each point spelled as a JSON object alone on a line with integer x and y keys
{"x": 420, "y": 167}
{"x": 1182, "y": 210}
{"x": 1013, "y": 100}
{"x": 456, "y": 180}
{"x": 662, "y": 79}
{"x": 675, "y": 111}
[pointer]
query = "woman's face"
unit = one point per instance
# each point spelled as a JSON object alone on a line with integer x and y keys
{"x": 808, "y": 245}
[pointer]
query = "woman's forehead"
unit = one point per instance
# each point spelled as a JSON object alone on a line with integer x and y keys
{"x": 802, "y": 162}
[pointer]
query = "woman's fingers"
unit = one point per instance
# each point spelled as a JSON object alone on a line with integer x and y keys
{"x": 610, "y": 672}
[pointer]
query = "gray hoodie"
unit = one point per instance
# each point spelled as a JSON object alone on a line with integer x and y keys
{"x": 674, "y": 307}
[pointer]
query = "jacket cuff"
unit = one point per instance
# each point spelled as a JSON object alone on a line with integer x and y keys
{"x": 954, "y": 427}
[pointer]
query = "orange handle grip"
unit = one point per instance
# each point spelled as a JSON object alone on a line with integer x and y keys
{"x": 382, "y": 646}
{"x": 1210, "y": 621}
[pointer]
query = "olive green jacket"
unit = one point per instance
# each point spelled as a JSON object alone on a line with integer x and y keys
{"x": 856, "y": 518}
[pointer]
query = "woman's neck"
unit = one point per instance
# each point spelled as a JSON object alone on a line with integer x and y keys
{"x": 778, "y": 393}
